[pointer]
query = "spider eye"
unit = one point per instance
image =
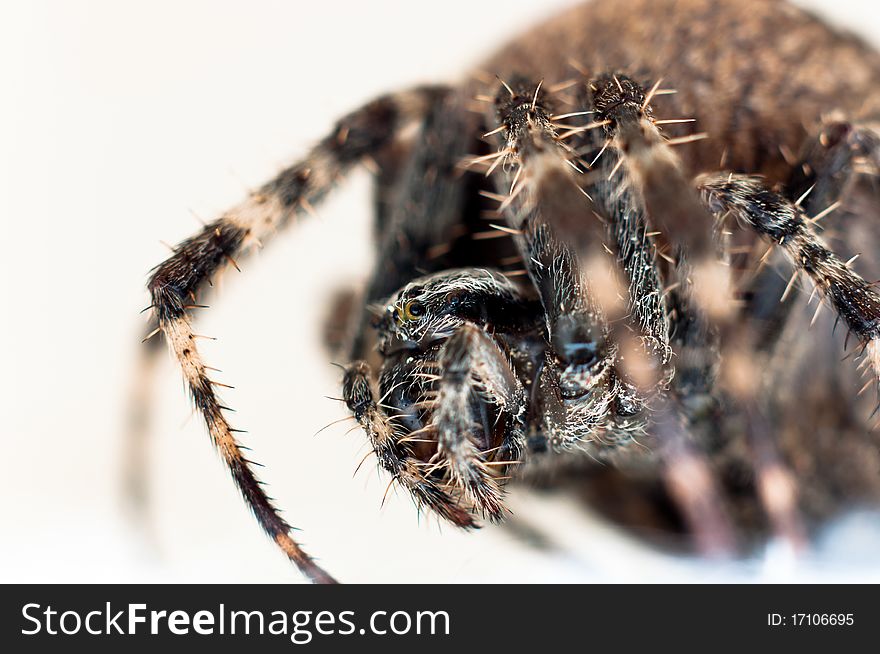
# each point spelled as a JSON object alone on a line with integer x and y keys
{"x": 454, "y": 297}
{"x": 413, "y": 310}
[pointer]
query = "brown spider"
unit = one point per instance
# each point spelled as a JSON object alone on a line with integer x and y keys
{"x": 558, "y": 283}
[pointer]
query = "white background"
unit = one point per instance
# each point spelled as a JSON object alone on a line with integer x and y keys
{"x": 118, "y": 122}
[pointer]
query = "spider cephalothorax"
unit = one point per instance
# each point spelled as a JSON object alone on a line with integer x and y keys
{"x": 557, "y": 282}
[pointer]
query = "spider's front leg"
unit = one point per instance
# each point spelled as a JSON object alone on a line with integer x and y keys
{"x": 176, "y": 283}
{"x": 703, "y": 291}
{"x": 588, "y": 384}
{"x": 652, "y": 174}
{"x": 543, "y": 200}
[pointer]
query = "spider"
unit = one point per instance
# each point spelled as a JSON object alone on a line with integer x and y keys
{"x": 586, "y": 252}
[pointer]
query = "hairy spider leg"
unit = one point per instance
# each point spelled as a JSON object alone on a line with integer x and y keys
{"x": 855, "y": 301}
{"x": 578, "y": 388}
{"x": 532, "y": 142}
{"x": 703, "y": 288}
{"x": 821, "y": 182}
{"x": 785, "y": 224}
{"x": 622, "y": 188}
{"x": 175, "y": 284}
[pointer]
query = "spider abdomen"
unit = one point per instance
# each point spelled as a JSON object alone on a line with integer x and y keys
{"x": 754, "y": 74}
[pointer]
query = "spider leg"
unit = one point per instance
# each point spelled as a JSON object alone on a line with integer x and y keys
{"x": 653, "y": 169}
{"x": 544, "y": 160}
{"x": 544, "y": 200}
{"x": 395, "y": 455}
{"x": 785, "y": 224}
{"x": 473, "y": 367}
{"x": 630, "y": 236}
{"x": 703, "y": 281}
{"x": 175, "y": 283}
{"x": 562, "y": 241}
{"x": 824, "y": 179}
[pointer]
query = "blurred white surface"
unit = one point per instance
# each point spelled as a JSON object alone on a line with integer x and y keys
{"x": 120, "y": 121}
